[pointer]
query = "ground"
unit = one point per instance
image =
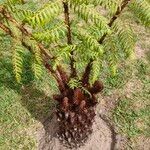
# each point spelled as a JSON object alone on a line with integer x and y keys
{"x": 126, "y": 100}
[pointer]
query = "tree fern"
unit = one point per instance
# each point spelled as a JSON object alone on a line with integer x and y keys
{"x": 83, "y": 36}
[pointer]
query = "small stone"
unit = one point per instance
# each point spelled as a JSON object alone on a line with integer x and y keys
{"x": 66, "y": 115}
{"x": 66, "y": 134}
{"x": 58, "y": 119}
{"x": 75, "y": 129}
{"x": 60, "y": 115}
{"x": 69, "y": 140}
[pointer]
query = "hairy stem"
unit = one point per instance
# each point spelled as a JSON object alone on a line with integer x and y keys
{"x": 69, "y": 37}
{"x": 6, "y": 29}
{"x": 112, "y": 20}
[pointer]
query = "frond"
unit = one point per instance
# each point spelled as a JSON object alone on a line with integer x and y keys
{"x": 110, "y": 5}
{"x": 15, "y": 31}
{"x": 37, "y": 69}
{"x": 37, "y": 60}
{"x": 46, "y": 14}
{"x": 113, "y": 52}
{"x": 96, "y": 69}
{"x": 37, "y": 65}
{"x": 17, "y": 60}
{"x": 126, "y": 38}
{"x": 141, "y": 9}
{"x": 96, "y": 33}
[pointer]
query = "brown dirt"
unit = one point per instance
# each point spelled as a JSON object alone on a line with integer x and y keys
{"x": 142, "y": 143}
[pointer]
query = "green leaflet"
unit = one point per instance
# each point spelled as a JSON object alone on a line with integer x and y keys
{"x": 126, "y": 37}
{"x": 96, "y": 68}
{"x": 62, "y": 55}
{"x": 52, "y": 35}
{"x": 46, "y": 14}
{"x": 17, "y": 60}
{"x": 88, "y": 13}
{"x": 91, "y": 43}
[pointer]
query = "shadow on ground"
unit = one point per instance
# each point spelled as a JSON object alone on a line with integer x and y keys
{"x": 37, "y": 103}
{"x": 32, "y": 98}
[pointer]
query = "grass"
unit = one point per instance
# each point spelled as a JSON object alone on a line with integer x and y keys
{"x": 24, "y": 106}
{"x": 132, "y": 113}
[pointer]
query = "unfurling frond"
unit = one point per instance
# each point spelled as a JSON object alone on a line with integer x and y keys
{"x": 17, "y": 60}
{"x": 74, "y": 83}
{"x": 141, "y": 9}
{"x": 52, "y": 35}
{"x": 37, "y": 57}
{"x": 46, "y": 14}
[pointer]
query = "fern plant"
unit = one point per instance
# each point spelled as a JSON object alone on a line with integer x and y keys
{"x": 73, "y": 40}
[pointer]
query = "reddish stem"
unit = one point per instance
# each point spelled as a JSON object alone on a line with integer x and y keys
{"x": 69, "y": 37}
